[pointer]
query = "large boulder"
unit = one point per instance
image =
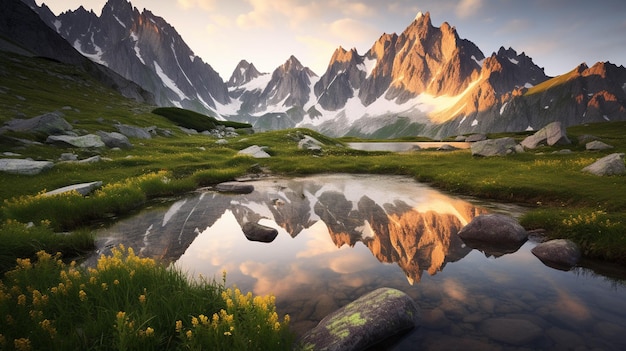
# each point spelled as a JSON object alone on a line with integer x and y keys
{"x": 560, "y": 253}
{"x": 48, "y": 124}
{"x": 24, "y": 167}
{"x": 83, "y": 188}
{"x": 552, "y": 134}
{"x": 134, "y": 132}
{"x": 608, "y": 165}
{"x": 84, "y": 141}
{"x": 115, "y": 139}
{"x": 365, "y": 322}
{"x": 258, "y": 232}
{"x": 494, "y": 147}
{"x": 254, "y": 151}
{"x": 494, "y": 234}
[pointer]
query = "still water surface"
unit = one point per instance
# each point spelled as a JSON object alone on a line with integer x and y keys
{"x": 342, "y": 236}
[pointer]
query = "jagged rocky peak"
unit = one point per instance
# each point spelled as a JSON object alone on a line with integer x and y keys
{"x": 344, "y": 74}
{"x": 291, "y": 65}
{"x": 342, "y": 55}
{"x": 243, "y": 73}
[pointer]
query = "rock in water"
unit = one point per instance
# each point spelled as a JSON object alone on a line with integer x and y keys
{"x": 494, "y": 234}
{"x": 234, "y": 187}
{"x": 364, "y": 322}
{"x": 259, "y": 232}
{"x": 560, "y": 254}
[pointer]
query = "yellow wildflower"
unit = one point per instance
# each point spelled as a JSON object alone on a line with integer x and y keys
{"x": 82, "y": 295}
{"x": 21, "y": 299}
{"x": 142, "y": 299}
{"x": 22, "y": 344}
{"x": 189, "y": 334}
{"x": 179, "y": 326}
{"x": 149, "y": 331}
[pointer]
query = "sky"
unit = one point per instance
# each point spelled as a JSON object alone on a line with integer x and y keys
{"x": 557, "y": 34}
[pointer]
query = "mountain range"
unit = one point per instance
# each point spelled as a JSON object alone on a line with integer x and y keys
{"x": 426, "y": 81}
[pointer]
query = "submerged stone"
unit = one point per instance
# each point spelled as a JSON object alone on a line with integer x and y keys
{"x": 560, "y": 253}
{"x": 365, "y": 322}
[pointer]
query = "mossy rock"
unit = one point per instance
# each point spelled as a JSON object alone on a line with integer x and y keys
{"x": 367, "y": 321}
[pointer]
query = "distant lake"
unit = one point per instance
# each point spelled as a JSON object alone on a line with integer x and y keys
{"x": 342, "y": 236}
{"x": 403, "y": 146}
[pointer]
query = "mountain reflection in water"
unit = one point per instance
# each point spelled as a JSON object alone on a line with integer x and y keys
{"x": 342, "y": 236}
{"x": 399, "y": 220}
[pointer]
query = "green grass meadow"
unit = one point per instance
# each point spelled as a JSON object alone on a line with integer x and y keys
{"x": 559, "y": 198}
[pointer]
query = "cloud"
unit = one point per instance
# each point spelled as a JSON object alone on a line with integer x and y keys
{"x": 207, "y": 5}
{"x": 468, "y": 8}
{"x": 514, "y": 26}
{"x": 351, "y": 30}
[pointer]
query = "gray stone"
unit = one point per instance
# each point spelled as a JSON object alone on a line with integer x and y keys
{"x": 259, "y": 232}
{"x": 512, "y": 331}
{"x": 234, "y": 187}
{"x": 363, "y": 323}
{"x": 494, "y": 147}
{"x": 254, "y": 151}
{"x": 115, "y": 139}
{"x": 83, "y": 188}
{"x": 475, "y": 137}
{"x": 68, "y": 156}
{"x": 11, "y": 154}
{"x": 92, "y": 159}
{"x": 556, "y": 135}
{"x": 48, "y": 124}
{"x": 133, "y": 132}
{"x": 221, "y": 142}
{"x": 310, "y": 143}
{"x": 552, "y": 134}
{"x": 560, "y": 253}
{"x": 85, "y": 141}
{"x": 24, "y": 167}
{"x": 494, "y": 228}
{"x": 612, "y": 164}
{"x": 460, "y": 138}
{"x": 446, "y": 147}
{"x": 597, "y": 145}
{"x": 188, "y": 131}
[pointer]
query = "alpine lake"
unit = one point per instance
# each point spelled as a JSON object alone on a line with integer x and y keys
{"x": 342, "y": 236}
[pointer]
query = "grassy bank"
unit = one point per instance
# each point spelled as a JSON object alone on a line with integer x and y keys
{"x": 550, "y": 184}
{"x": 130, "y": 303}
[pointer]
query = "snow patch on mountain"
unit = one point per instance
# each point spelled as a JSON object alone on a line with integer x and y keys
{"x": 168, "y": 81}
{"x": 97, "y": 57}
{"x": 135, "y": 38}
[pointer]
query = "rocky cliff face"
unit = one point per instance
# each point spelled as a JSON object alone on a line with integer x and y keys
{"x": 424, "y": 81}
{"x": 21, "y": 25}
{"x": 145, "y": 49}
